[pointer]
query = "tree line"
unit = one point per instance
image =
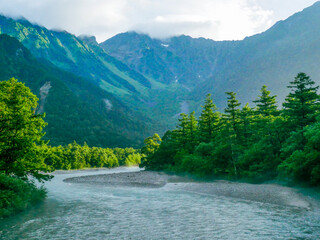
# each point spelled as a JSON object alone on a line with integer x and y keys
{"x": 260, "y": 143}
{"x": 25, "y": 157}
{"x": 75, "y": 156}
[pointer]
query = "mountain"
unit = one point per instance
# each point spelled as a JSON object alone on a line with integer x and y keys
{"x": 84, "y": 57}
{"x": 75, "y": 108}
{"x": 132, "y": 85}
{"x": 72, "y": 54}
{"x": 205, "y": 66}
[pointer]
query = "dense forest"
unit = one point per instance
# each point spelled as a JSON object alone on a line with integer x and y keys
{"x": 259, "y": 143}
{"x": 26, "y": 158}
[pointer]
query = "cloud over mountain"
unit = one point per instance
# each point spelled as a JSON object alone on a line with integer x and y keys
{"x": 219, "y": 20}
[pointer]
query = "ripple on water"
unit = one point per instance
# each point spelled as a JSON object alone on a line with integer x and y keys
{"x": 94, "y": 212}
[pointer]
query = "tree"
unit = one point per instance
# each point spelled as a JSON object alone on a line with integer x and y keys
{"x": 232, "y": 122}
{"x": 151, "y": 144}
{"x": 182, "y": 130}
{"x": 304, "y": 164}
{"x": 245, "y": 125}
{"x": 232, "y": 113}
{"x": 20, "y": 132}
{"x": 192, "y": 127}
{"x": 266, "y": 104}
{"x": 208, "y": 120}
{"x": 302, "y": 103}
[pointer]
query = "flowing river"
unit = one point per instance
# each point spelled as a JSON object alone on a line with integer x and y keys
{"x": 84, "y": 211}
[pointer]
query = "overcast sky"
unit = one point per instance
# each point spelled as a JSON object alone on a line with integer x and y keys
{"x": 215, "y": 19}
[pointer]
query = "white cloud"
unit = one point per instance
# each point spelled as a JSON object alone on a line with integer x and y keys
{"x": 216, "y": 19}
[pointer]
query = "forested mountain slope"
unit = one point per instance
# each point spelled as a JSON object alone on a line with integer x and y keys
{"x": 75, "y": 109}
{"x": 152, "y": 81}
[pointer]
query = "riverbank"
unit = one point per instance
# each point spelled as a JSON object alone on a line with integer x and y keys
{"x": 263, "y": 193}
{"x": 101, "y": 211}
{"x": 17, "y": 195}
{"x": 146, "y": 179}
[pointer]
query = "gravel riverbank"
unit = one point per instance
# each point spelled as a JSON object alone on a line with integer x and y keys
{"x": 264, "y": 193}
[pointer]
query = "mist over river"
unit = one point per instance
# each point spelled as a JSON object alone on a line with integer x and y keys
{"x": 173, "y": 211}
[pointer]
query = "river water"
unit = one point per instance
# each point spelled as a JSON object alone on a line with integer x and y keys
{"x": 79, "y": 211}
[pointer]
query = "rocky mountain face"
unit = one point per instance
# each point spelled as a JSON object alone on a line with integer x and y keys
{"x": 206, "y": 66}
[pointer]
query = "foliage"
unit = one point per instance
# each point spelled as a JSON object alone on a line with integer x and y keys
{"x": 76, "y": 108}
{"x": 303, "y": 164}
{"x": 254, "y": 143}
{"x": 75, "y": 156}
{"x": 302, "y": 102}
{"x": 16, "y": 195}
{"x": 151, "y": 146}
{"x": 24, "y": 156}
{"x": 20, "y": 132}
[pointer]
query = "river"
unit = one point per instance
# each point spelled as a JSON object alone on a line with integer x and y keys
{"x": 82, "y": 211}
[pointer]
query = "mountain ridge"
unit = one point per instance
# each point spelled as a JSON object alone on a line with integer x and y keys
{"x": 236, "y": 65}
{"x": 158, "y": 79}
{"x": 75, "y": 109}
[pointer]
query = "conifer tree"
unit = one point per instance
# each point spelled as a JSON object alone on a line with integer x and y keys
{"x": 232, "y": 111}
{"x": 232, "y": 122}
{"x": 302, "y": 103}
{"x": 266, "y": 104}
{"x": 181, "y": 133}
{"x": 245, "y": 124}
{"x": 192, "y": 126}
{"x": 208, "y": 120}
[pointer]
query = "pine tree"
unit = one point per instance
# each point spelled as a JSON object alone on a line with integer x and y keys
{"x": 181, "y": 133}
{"x": 232, "y": 122}
{"x": 192, "y": 127}
{"x": 302, "y": 103}
{"x": 245, "y": 124}
{"x": 266, "y": 104}
{"x": 232, "y": 113}
{"x": 208, "y": 121}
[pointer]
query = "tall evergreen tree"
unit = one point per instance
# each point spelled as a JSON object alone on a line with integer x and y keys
{"x": 181, "y": 133}
{"x": 208, "y": 120}
{"x": 192, "y": 127}
{"x": 245, "y": 125}
{"x": 266, "y": 104}
{"x": 232, "y": 121}
{"x": 302, "y": 103}
{"x": 232, "y": 111}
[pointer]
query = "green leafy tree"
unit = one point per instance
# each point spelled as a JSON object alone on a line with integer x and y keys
{"x": 20, "y": 132}
{"x": 151, "y": 144}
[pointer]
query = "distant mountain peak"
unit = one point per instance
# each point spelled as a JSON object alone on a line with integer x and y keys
{"x": 89, "y": 39}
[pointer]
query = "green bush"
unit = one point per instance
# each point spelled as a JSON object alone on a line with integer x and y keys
{"x": 17, "y": 195}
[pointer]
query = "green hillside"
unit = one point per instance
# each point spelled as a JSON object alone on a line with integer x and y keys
{"x": 75, "y": 108}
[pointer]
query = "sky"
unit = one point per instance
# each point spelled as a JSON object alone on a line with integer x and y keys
{"x": 215, "y": 19}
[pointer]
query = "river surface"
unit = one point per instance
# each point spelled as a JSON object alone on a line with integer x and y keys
{"x": 80, "y": 211}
